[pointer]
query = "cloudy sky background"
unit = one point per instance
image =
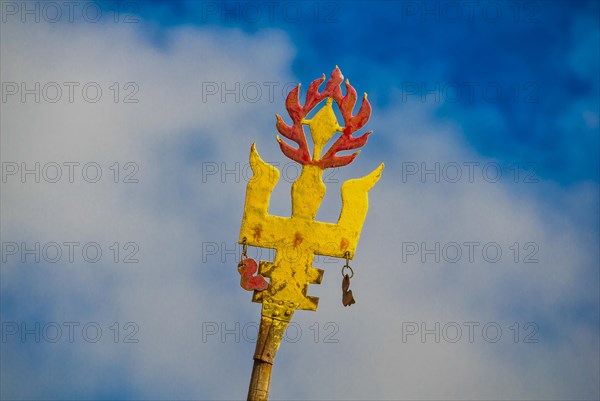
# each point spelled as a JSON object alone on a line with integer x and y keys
{"x": 183, "y": 221}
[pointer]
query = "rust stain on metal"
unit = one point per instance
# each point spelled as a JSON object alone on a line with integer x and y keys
{"x": 257, "y": 232}
{"x": 344, "y": 244}
{"x": 297, "y": 239}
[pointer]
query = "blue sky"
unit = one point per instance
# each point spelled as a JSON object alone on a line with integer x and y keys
{"x": 537, "y": 54}
{"x": 486, "y": 117}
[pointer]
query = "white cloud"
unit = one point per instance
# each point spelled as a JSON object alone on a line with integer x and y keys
{"x": 171, "y": 211}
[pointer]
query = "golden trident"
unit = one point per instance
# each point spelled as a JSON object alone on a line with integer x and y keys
{"x": 297, "y": 239}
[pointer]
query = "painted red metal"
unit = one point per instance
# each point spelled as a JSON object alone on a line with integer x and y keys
{"x": 247, "y": 268}
{"x": 298, "y": 113}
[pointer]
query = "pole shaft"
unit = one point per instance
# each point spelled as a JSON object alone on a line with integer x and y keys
{"x": 260, "y": 381}
{"x": 270, "y": 334}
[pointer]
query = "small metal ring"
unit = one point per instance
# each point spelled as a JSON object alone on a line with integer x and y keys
{"x": 351, "y": 271}
{"x": 244, "y": 248}
{"x": 347, "y": 265}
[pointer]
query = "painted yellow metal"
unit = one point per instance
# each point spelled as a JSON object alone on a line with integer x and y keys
{"x": 323, "y": 127}
{"x": 298, "y": 238}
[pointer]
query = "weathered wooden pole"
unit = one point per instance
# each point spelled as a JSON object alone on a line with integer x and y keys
{"x": 260, "y": 381}
{"x": 269, "y": 337}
